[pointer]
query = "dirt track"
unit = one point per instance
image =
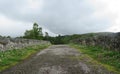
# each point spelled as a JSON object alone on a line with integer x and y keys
{"x": 57, "y": 59}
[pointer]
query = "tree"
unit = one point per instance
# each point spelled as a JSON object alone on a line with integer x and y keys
{"x": 35, "y": 33}
{"x": 35, "y": 30}
{"x": 8, "y": 37}
{"x": 40, "y": 31}
{"x": 46, "y": 34}
{"x": 46, "y": 37}
{"x": 29, "y": 34}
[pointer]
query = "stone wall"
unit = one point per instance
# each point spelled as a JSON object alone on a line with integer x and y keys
{"x": 111, "y": 41}
{"x": 16, "y": 43}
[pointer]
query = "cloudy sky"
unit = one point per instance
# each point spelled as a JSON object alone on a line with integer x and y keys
{"x": 59, "y": 16}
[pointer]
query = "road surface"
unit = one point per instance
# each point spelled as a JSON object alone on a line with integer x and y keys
{"x": 57, "y": 59}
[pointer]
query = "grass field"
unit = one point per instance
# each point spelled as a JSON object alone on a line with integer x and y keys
{"x": 12, "y": 57}
{"x": 107, "y": 58}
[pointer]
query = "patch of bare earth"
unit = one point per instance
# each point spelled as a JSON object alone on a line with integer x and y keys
{"x": 57, "y": 59}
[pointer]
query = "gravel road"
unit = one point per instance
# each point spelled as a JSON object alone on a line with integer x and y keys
{"x": 57, "y": 59}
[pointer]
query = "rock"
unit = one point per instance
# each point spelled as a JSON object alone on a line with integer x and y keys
{"x": 16, "y": 43}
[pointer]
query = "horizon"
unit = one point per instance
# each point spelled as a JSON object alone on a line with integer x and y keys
{"x": 63, "y": 35}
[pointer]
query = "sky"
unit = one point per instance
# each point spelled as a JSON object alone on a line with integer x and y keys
{"x": 63, "y": 17}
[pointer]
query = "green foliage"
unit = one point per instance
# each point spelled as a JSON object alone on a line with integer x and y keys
{"x": 12, "y": 57}
{"x": 61, "y": 39}
{"x": 46, "y": 34}
{"x": 56, "y": 40}
{"x": 102, "y": 55}
{"x": 35, "y": 30}
{"x": 35, "y": 33}
{"x": 29, "y": 34}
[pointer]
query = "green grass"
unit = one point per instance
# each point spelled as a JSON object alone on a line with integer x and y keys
{"x": 107, "y": 58}
{"x": 12, "y": 57}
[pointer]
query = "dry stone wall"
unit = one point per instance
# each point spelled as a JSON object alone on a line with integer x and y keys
{"x": 16, "y": 43}
{"x": 111, "y": 41}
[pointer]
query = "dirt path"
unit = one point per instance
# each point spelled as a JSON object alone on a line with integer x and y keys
{"x": 57, "y": 59}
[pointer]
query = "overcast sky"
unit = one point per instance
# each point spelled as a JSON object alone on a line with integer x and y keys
{"x": 59, "y": 16}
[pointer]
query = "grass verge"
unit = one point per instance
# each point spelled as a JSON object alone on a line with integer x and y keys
{"x": 12, "y": 57}
{"x": 107, "y": 58}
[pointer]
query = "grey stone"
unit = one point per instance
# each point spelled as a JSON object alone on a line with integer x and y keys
{"x": 16, "y": 43}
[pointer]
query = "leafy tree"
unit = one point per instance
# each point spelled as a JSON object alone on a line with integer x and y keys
{"x": 8, "y": 37}
{"x": 29, "y": 34}
{"x": 40, "y": 31}
{"x": 35, "y": 33}
{"x": 35, "y": 30}
{"x": 46, "y": 34}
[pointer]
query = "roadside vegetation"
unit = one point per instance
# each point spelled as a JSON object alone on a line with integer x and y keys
{"x": 107, "y": 58}
{"x": 12, "y": 57}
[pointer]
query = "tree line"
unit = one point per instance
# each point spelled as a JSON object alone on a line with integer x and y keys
{"x": 37, "y": 33}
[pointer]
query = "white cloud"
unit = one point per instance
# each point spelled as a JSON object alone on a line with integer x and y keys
{"x": 59, "y": 16}
{"x": 12, "y": 27}
{"x": 35, "y": 4}
{"x": 32, "y": 7}
{"x": 111, "y": 9}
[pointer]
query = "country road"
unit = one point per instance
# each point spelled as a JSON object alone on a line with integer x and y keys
{"x": 57, "y": 59}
